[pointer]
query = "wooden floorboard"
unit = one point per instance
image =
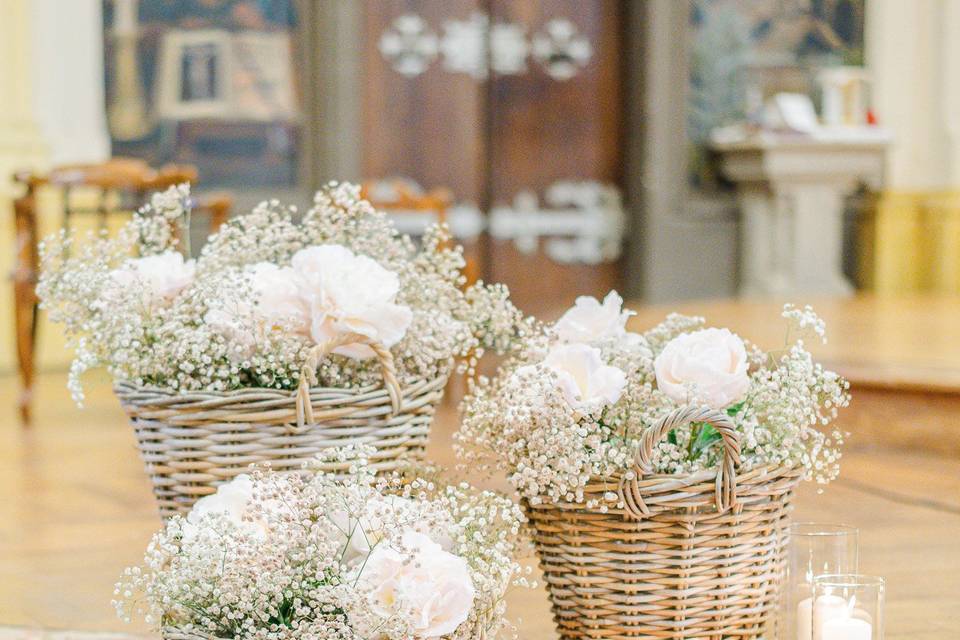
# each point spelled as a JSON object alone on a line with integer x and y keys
{"x": 75, "y": 508}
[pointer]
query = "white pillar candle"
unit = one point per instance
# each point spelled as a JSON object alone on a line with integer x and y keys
{"x": 810, "y": 618}
{"x": 863, "y": 615}
{"x": 846, "y": 629}
{"x": 805, "y": 619}
{"x": 827, "y": 607}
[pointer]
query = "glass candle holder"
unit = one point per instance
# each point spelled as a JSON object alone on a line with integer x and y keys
{"x": 847, "y": 607}
{"x": 815, "y": 549}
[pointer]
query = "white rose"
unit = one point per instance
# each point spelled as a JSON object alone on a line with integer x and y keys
{"x": 429, "y": 587}
{"x": 234, "y": 321}
{"x": 380, "y": 515}
{"x": 708, "y": 366}
{"x": 279, "y": 299}
{"x": 586, "y": 382}
{"x": 589, "y": 321}
{"x": 349, "y": 293}
{"x": 160, "y": 277}
{"x": 233, "y": 499}
{"x": 276, "y": 302}
{"x": 327, "y": 291}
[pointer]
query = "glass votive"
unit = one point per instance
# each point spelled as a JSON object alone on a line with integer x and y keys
{"x": 814, "y": 549}
{"x": 847, "y": 607}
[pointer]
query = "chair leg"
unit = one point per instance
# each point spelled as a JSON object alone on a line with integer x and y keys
{"x": 26, "y": 328}
{"x": 25, "y": 296}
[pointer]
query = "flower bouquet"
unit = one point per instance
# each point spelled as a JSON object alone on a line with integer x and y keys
{"x": 657, "y": 469}
{"x": 322, "y": 556}
{"x": 286, "y": 336}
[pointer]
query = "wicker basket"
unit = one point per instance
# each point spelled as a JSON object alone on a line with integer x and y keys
{"x": 689, "y": 556}
{"x": 192, "y": 442}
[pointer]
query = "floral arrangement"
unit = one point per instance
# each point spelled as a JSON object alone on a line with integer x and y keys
{"x": 571, "y": 404}
{"x": 265, "y": 289}
{"x": 314, "y": 555}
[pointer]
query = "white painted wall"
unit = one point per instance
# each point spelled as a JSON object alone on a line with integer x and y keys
{"x": 21, "y": 145}
{"x": 67, "y": 71}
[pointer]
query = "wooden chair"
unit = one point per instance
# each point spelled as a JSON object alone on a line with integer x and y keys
{"x": 398, "y": 196}
{"x": 116, "y": 186}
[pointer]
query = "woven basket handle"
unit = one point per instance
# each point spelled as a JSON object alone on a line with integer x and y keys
{"x": 726, "y": 484}
{"x": 308, "y": 374}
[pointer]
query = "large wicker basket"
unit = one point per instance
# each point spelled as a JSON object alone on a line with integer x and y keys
{"x": 192, "y": 442}
{"x": 688, "y": 556}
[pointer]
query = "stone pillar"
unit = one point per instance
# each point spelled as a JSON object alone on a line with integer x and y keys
{"x": 680, "y": 246}
{"x": 908, "y": 51}
{"x": 21, "y": 147}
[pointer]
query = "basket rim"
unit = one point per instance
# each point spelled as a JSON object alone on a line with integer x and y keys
{"x": 666, "y": 482}
{"x": 255, "y": 405}
{"x": 128, "y": 387}
{"x": 776, "y": 470}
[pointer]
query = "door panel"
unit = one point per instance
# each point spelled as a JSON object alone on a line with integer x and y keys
{"x": 492, "y": 138}
{"x": 545, "y": 130}
{"x": 427, "y": 127}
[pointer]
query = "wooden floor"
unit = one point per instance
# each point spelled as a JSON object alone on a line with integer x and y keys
{"x": 907, "y": 341}
{"x": 75, "y": 509}
{"x": 901, "y": 355}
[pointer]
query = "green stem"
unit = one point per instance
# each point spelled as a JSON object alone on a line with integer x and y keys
{"x": 694, "y": 436}
{"x": 185, "y": 228}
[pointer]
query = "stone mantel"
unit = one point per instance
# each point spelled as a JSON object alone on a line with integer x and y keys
{"x": 791, "y": 190}
{"x": 764, "y": 157}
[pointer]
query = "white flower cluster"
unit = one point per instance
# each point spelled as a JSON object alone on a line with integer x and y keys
{"x": 276, "y": 556}
{"x": 570, "y": 405}
{"x": 806, "y": 321}
{"x": 265, "y": 289}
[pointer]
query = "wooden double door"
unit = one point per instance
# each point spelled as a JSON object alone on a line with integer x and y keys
{"x": 501, "y": 100}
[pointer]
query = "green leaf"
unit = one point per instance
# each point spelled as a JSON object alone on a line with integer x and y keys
{"x": 706, "y": 435}
{"x": 672, "y": 436}
{"x": 734, "y": 409}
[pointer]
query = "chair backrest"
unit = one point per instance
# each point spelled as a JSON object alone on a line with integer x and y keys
{"x": 120, "y": 185}
{"x": 131, "y": 174}
{"x": 398, "y": 196}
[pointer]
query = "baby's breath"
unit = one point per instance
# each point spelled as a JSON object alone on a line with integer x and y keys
{"x": 173, "y": 346}
{"x": 520, "y": 422}
{"x": 297, "y": 580}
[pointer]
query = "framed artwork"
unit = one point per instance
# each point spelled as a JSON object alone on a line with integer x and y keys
{"x": 194, "y": 79}
{"x": 227, "y": 76}
{"x": 207, "y": 82}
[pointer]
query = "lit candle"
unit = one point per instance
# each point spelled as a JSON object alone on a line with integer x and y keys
{"x": 810, "y": 617}
{"x": 846, "y": 629}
